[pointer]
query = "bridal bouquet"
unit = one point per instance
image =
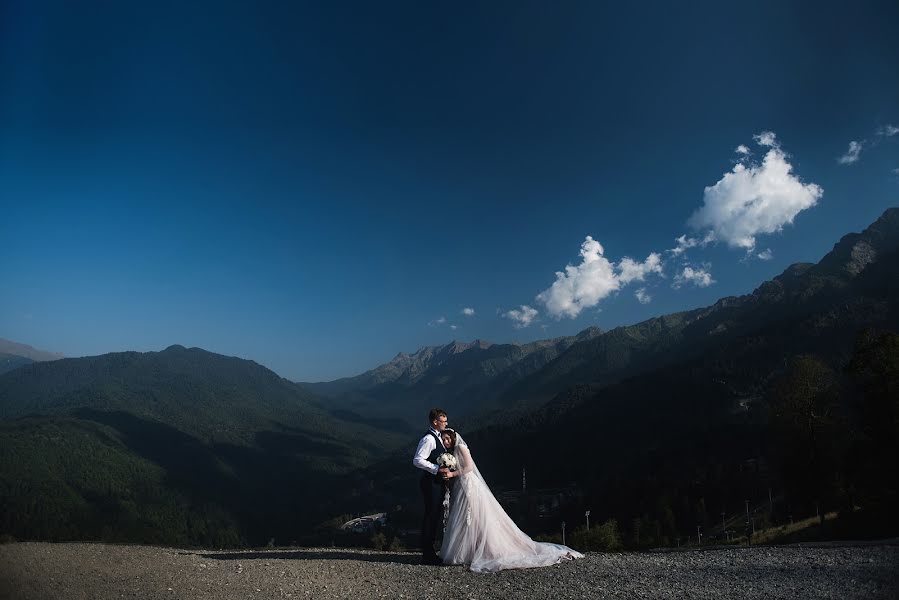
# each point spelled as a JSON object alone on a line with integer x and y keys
{"x": 447, "y": 460}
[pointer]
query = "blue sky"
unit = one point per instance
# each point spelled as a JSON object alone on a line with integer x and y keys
{"x": 315, "y": 187}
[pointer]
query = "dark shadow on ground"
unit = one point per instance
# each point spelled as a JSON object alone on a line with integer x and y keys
{"x": 381, "y": 557}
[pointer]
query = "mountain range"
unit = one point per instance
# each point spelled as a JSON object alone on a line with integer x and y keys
{"x": 480, "y": 379}
{"x": 465, "y": 376}
{"x": 186, "y": 446}
{"x": 181, "y": 444}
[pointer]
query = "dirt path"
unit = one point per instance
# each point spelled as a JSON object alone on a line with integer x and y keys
{"x": 72, "y": 571}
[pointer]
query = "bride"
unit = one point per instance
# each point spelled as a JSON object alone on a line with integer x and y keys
{"x": 479, "y": 533}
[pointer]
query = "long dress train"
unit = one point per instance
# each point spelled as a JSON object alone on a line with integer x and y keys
{"x": 481, "y": 535}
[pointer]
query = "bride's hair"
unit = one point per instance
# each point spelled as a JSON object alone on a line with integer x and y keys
{"x": 451, "y": 433}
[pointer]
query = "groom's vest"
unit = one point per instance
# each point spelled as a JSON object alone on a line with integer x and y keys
{"x": 435, "y": 454}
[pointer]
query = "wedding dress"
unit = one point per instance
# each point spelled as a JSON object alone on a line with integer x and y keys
{"x": 481, "y": 535}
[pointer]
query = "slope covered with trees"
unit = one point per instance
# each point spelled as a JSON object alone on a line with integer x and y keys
{"x": 196, "y": 447}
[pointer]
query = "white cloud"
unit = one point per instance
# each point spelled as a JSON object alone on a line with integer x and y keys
{"x": 521, "y": 317}
{"x": 698, "y": 277}
{"x": 630, "y": 270}
{"x": 684, "y": 243}
{"x": 582, "y": 286}
{"x": 595, "y": 278}
{"x": 765, "y": 254}
{"x": 468, "y": 312}
{"x": 754, "y": 199}
{"x": 742, "y": 149}
{"x": 766, "y": 138}
{"x": 852, "y": 154}
{"x": 437, "y": 321}
{"x": 453, "y": 327}
{"x": 642, "y": 296}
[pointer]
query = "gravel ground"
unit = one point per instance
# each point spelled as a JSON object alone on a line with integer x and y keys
{"x": 75, "y": 570}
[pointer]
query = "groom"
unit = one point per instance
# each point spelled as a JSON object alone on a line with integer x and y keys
{"x": 431, "y": 484}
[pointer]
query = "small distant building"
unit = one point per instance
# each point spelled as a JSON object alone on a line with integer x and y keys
{"x": 365, "y": 524}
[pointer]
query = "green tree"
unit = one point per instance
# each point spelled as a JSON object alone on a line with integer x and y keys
{"x": 668, "y": 524}
{"x": 396, "y": 545}
{"x": 604, "y": 538}
{"x": 874, "y": 373}
{"x": 379, "y": 541}
{"x": 804, "y": 415}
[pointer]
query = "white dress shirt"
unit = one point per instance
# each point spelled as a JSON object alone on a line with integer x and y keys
{"x": 427, "y": 445}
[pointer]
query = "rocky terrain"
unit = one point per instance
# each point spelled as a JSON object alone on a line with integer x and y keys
{"x": 78, "y": 570}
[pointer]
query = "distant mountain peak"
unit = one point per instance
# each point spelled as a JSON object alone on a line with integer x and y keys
{"x": 589, "y": 332}
{"x": 889, "y": 218}
{"x": 855, "y": 251}
{"x": 18, "y": 349}
{"x": 456, "y": 347}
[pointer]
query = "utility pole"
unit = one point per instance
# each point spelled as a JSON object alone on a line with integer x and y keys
{"x": 698, "y": 536}
{"x": 524, "y": 481}
{"x": 587, "y": 514}
{"x": 563, "y": 534}
{"x": 748, "y": 526}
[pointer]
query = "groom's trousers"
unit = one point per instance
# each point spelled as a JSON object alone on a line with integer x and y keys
{"x": 432, "y": 492}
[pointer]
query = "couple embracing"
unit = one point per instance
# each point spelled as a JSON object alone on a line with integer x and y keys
{"x": 478, "y": 533}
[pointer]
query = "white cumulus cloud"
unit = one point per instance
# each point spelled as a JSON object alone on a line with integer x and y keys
{"x": 887, "y": 130}
{"x": 630, "y": 270}
{"x": 852, "y": 154}
{"x": 522, "y": 317}
{"x": 698, "y": 277}
{"x": 582, "y": 286}
{"x": 755, "y": 199}
{"x": 642, "y": 296}
{"x": 468, "y": 312}
{"x": 437, "y": 321}
{"x": 765, "y": 254}
{"x": 742, "y": 149}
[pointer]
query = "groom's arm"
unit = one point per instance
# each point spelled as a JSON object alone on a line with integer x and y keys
{"x": 420, "y": 460}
